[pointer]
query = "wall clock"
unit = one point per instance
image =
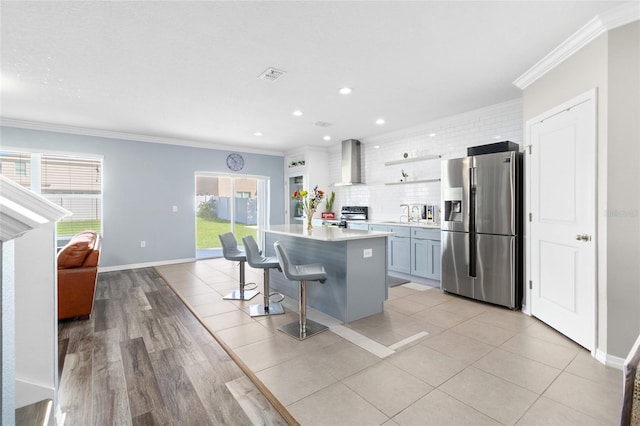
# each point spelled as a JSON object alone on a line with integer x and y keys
{"x": 235, "y": 162}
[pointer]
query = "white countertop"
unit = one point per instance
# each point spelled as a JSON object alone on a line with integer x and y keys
{"x": 412, "y": 224}
{"x": 324, "y": 233}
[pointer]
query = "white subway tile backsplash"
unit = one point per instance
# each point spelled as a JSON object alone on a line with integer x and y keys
{"x": 452, "y": 137}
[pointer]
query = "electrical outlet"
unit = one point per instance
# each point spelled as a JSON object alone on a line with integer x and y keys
{"x": 175, "y": 209}
{"x": 143, "y": 244}
{"x": 367, "y": 253}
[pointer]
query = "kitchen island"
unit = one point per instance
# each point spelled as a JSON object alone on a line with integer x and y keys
{"x": 355, "y": 261}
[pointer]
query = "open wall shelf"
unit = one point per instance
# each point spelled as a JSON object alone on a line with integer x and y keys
{"x": 412, "y": 159}
{"x": 413, "y": 181}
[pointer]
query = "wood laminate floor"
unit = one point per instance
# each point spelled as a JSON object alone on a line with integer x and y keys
{"x": 429, "y": 359}
{"x": 144, "y": 359}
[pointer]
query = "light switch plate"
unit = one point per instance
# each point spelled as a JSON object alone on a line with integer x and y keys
{"x": 367, "y": 253}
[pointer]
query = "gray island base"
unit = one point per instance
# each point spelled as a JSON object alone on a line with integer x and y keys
{"x": 355, "y": 261}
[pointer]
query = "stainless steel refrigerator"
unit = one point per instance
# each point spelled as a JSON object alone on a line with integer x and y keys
{"x": 482, "y": 227}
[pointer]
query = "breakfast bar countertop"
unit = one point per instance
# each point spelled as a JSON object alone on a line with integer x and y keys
{"x": 324, "y": 233}
{"x": 418, "y": 224}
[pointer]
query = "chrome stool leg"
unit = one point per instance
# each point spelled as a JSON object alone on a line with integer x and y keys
{"x": 267, "y": 307}
{"x": 242, "y": 293}
{"x": 304, "y": 328}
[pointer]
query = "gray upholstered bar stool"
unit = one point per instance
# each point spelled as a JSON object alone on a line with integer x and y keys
{"x": 256, "y": 260}
{"x": 230, "y": 251}
{"x": 304, "y": 327}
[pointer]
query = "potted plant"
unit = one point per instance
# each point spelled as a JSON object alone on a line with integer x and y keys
{"x": 328, "y": 211}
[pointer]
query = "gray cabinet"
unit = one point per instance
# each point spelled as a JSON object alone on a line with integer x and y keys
{"x": 400, "y": 249}
{"x": 425, "y": 253}
{"x": 419, "y": 256}
{"x": 413, "y": 250}
{"x": 433, "y": 260}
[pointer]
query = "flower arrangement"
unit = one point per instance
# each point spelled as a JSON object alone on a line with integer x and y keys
{"x": 309, "y": 202}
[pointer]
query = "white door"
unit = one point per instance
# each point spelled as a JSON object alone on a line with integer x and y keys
{"x": 562, "y": 205}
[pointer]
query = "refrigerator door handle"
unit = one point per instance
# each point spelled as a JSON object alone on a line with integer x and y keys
{"x": 473, "y": 253}
{"x": 472, "y": 221}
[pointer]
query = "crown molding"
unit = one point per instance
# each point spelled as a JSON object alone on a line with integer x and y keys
{"x": 62, "y": 128}
{"x": 610, "y": 19}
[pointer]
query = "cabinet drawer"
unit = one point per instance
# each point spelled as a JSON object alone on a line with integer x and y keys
{"x": 401, "y": 231}
{"x": 383, "y": 228}
{"x": 425, "y": 234}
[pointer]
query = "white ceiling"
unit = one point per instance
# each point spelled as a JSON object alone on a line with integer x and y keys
{"x": 187, "y": 71}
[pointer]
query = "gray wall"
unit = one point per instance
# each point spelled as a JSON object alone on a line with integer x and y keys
{"x": 142, "y": 181}
{"x": 609, "y": 63}
{"x": 623, "y": 183}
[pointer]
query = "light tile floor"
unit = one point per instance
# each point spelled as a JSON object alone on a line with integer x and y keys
{"x": 478, "y": 364}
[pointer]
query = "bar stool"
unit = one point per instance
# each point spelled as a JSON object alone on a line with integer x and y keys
{"x": 256, "y": 260}
{"x": 230, "y": 251}
{"x": 303, "y": 328}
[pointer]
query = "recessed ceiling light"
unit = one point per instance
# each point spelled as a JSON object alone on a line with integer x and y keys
{"x": 257, "y": 134}
{"x": 297, "y": 113}
{"x": 497, "y": 137}
{"x": 376, "y": 146}
{"x": 431, "y": 135}
{"x": 380, "y": 121}
{"x": 327, "y": 138}
{"x": 345, "y": 90}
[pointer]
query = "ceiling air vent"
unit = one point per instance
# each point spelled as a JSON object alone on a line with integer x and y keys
{"x": 323, "y": 124}
{"x": 271, "y": 74}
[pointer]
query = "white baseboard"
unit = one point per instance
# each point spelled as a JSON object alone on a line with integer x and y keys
{"x": 143, "y": 265}
{"x": 609, "y": 360}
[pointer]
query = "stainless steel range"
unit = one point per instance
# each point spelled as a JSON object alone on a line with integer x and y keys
{"x": 352, "y": 215}
{"x": 349, "y": 215}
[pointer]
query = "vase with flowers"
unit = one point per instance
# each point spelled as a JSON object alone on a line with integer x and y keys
{"x": 309, "y": 202}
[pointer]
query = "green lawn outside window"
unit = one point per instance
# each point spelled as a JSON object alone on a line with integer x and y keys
{"x": 206, "y": 236}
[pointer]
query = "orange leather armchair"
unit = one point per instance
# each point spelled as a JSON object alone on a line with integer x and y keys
{"x": 77, "y": 274}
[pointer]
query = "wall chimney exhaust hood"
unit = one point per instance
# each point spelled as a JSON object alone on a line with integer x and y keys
{"x": 351, "y": 163}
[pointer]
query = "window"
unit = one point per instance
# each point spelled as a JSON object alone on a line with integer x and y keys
{"x": 243, "y": 194}
{"x": 17, "y": 167}
{"x": 74, "y": 183}
{"x": 21, "y": 168}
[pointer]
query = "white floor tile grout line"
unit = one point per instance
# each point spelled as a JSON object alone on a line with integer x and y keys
{"x": 351, "y": 335}
{"x": 408, "y": 340}
{"x": 364, "y": 342}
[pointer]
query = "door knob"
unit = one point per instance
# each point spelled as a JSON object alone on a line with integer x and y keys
{"x": 583, "y": 237}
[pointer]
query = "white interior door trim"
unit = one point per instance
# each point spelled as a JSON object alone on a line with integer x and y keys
{"x": 582, "y": 98}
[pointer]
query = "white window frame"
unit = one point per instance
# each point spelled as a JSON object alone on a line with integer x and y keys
{"x": 36, "y": 177}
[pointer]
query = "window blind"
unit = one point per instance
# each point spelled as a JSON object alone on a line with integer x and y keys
{"x": 75, "y": 184}
{"x": 17, "y": 167}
